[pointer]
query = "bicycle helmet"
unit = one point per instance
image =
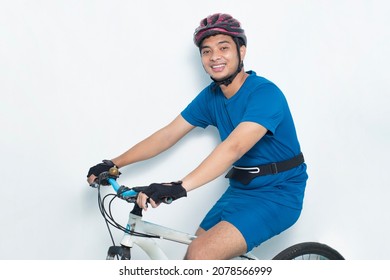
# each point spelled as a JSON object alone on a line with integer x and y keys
{"x": 219, "y": 24}
{"x": 222, "y": 24}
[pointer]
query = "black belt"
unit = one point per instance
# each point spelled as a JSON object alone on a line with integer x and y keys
{"x": 246, "y": 174}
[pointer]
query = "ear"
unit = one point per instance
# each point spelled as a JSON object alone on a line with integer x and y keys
{"x": 242, "y": 52}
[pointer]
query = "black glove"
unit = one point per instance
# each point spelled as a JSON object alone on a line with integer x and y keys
{"x": 100, "y": 168}
{"x": 166, "y": 192}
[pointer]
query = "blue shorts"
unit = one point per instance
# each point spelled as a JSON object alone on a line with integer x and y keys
{"x": 258, "y": 214}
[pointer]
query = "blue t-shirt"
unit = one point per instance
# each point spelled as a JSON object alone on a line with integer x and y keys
{"x": 258, "y": 100}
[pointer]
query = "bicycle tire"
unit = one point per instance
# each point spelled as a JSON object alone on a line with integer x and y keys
{"x": 309, "y": 251}
{"x": 118, "y": 253}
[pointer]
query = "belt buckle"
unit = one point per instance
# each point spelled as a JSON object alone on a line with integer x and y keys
{"x": 253, "y": 170}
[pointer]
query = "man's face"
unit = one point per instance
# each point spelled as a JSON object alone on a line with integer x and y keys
{"x": 219, "y": 56}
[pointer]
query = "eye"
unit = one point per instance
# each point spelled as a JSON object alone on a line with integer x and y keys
{"x": 205, "y": 51}
{"x": 224, "y": 48}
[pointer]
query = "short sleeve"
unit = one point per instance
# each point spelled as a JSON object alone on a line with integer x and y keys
{"x": 198, "y": 111}
{"x": 265, "y": 106}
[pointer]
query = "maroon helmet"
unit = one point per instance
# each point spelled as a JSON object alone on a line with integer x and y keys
{"x": 219, "y": 24}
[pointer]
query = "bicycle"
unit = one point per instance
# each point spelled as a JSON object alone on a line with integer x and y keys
{"x": 143, "y": 233}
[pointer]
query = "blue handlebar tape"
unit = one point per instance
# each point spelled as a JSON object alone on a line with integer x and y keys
{"x": 116, "y": 187}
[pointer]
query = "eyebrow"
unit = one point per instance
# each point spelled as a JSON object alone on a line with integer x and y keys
{"x": 219, "y": 43}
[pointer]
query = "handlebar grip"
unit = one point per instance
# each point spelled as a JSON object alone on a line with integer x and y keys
{"x": 168, "y": 200}
{"x": 94, "y": 185}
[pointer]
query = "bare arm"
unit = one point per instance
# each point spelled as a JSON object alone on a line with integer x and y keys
{"x": 241, "y": 140}
{"x": 153, "y": 145}
{"x": 156, "y": 143}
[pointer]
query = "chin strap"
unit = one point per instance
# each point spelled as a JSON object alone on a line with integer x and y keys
{"x": 229, "y": 79}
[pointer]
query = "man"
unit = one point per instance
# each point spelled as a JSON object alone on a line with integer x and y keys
{"x": 268, "y": 177}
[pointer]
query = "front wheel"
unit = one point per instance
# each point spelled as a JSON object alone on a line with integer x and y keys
{"x": 118, "y": 253}
{"x": 309, "y": 251}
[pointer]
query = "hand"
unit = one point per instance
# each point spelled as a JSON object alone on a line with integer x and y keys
{"x": 96, "y": 170}
{"x": 143, "y": 200}
{"x": 157, "y": 193}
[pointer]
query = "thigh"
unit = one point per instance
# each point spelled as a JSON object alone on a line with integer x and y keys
{"x": 200, "y": 231}
{"x": 261, "y": 221}
{"x": 222, "y": 241}
{"x": 255, "y": 216}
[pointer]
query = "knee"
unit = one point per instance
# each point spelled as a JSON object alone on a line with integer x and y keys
{"x": 195, "y": 252}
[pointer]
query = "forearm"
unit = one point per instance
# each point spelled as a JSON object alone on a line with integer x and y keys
{"x": 223, "y": 156}
{"x": 155, "y": 144}
{"x": 147, "y": 148}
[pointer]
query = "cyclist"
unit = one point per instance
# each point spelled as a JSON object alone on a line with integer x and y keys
{"x": 267, "y": 176}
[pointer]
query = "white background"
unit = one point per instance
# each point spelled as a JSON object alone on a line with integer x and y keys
{"x": 81, "y": 81}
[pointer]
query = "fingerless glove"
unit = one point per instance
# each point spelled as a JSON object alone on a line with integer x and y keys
{"x": 163, "y": 192}
{"x": 100, "y": 168}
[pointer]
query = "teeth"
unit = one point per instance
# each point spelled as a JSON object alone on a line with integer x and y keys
{"x": 218, "y": 66}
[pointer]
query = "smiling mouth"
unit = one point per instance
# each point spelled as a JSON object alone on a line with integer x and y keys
{"x": 218, "y": 67}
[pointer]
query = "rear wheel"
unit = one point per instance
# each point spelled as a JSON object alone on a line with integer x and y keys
{"x": 309, "y": 251}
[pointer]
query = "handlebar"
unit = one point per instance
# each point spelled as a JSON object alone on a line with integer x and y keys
{"x": 126, "y": 193}
{"x": 123, "y": 192}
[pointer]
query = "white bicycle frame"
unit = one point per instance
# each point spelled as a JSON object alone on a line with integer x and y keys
{"x": 136, "y": 226}
{"x": 144, "y": 233}
{"x": 149, "y": 245}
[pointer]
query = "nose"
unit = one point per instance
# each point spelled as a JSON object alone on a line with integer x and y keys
{"x": 215, "y": 56}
